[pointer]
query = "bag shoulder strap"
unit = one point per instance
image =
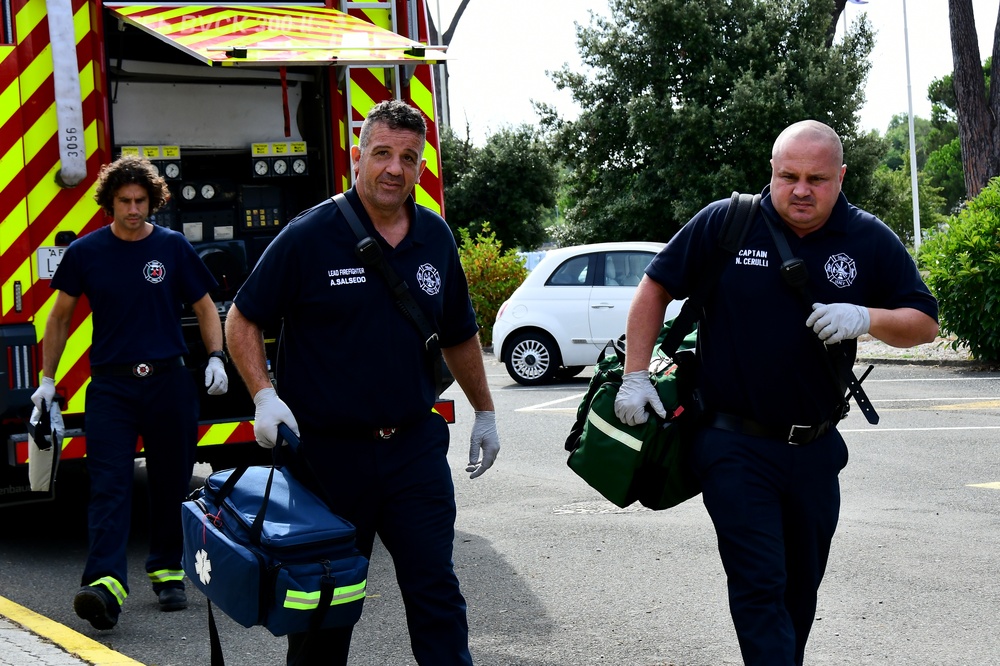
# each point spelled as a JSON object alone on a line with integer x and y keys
{"x": 739, "y": 217}
{"x": 370, "y": 253}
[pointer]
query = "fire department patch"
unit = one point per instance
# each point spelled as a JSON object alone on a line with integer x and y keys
{"x": 429, "y": 279}
{"x": 840, "y": 270}
{"x": 154, "y": 271}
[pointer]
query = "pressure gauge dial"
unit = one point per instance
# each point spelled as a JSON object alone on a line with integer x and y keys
{"x": 299, "y": 165}
{"x": 207, "y": 191}
{"x": 280, "y": 167}
{"x": 188, "y": 192}
{"x": 260, "y": 167}
{"x": 172, "y": 170}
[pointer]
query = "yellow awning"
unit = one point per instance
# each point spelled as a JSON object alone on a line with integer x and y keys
{"x": 276, "y": 34}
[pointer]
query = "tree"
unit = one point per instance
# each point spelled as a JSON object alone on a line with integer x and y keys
{"x": 944, "y": 171}
{"x": 892, "y": 201}
{"x": 940, "y": 168}
{"x": 456, "y": 161}
{"x": 684, "y": 99}
{"x": 831, "y": 31}
{"x": 978, "y": 127}
{"x": 962, "y": 268}
{"x": 944, "y": 164}
{"x": 493, "y": 275}
{"x": 509, "y": 183}
{"x": 898, "y": 137}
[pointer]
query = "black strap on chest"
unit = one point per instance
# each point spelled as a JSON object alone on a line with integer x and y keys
{"x": 739, "y": 216}
{"x": 370, "y": 254}
{"x": 796, "y": 275}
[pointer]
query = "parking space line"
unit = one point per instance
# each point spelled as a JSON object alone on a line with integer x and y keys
{"x": 982, "y": 404}
{"x": 933, "y": 379}
{"x": 880, "y": 429}
{"x": 544, "y": 407}
{"x": 990, "y": 399}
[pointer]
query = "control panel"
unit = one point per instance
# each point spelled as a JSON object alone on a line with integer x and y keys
{"x": 230, "y": 204}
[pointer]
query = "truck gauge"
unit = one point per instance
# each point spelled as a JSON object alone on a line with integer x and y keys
{"x": 280, "y": 166}
{"x": 172, "y": 170}
{"x": 188, "y": 192}
{"x": 260, "y": 166}
{"x": 207, "y": 191}
{"x": 299, "y": 165}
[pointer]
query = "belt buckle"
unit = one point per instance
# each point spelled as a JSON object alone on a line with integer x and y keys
{"x": 791, "y": 433}
{"x": 142, "y": 370}
{"x": 385, "y": 433}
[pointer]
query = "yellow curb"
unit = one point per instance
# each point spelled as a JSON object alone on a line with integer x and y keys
{"x": 73, "y": 642}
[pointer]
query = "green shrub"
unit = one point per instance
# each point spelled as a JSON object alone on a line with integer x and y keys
{"x": 962, "y": 264}
{"x": 493, "y": 276}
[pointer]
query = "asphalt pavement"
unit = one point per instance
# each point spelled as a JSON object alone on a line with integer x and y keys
{"x": 30, "y": 639}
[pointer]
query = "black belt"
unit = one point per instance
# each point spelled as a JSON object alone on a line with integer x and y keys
{"x": 140, "y": 370}
{"x": 793, "y": 434}
{"x": 365, "y": 432}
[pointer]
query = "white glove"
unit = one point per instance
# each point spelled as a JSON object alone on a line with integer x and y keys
{"x": 44, "y": 394}
{"x": 838, "y": 321}
{"x": 485, "y": 437}
{"x": 215, "y": 377}
{"x": 635, "y": 393}
{"x": 271, "y": 411}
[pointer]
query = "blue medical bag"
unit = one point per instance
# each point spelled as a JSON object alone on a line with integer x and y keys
{"x": 267, "y": 551}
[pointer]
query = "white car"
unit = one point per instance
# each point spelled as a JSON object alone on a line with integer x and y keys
{"x": 571, "y": 304}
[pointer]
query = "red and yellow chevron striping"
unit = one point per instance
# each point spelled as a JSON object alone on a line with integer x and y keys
{"x": 262, "y": 34}
{"x": 32, "y": 206}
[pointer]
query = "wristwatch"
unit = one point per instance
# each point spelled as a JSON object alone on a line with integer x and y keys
{"x": 221, "y": 355}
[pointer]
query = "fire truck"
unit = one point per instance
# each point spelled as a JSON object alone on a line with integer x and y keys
{"x": 248, "y": 111}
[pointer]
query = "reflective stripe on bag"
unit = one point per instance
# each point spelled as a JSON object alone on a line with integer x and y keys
{"x": 298, "y": 600}
{"x": 613, "y": 431}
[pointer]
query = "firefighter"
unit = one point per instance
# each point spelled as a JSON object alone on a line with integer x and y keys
{"x": 769, "y": 455}
{"x": 355, "y": 379}
{"x": 135, "y": 275}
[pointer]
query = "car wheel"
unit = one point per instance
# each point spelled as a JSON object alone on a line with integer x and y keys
{"x": 532, "y": 359}
{"x": 569, "y": 372}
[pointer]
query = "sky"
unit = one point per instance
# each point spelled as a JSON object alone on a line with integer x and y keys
{"x": 498, "y": 59}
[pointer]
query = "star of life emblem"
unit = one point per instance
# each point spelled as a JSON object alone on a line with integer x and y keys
{"x": 154, "y": 271}
{"x": 203, "y": 566}
{"x": 429, "y": 279}
{"x": 840, "y": 270}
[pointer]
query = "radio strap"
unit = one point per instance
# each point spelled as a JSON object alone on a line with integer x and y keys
{"x": 796, "y": 275}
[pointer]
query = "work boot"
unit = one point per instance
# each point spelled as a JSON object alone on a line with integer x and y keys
{"x": 172, "y": 599}
{"x": 96, "y": 605}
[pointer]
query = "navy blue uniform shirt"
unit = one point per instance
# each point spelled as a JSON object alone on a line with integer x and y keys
{"x": 136, "y": 291}
{"x": 758, "y": 360}
{"x": 350, "y": 356}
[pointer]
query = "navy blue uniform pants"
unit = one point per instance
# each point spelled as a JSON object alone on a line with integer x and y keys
{"x": 400, "y": 489}
{"x": 163, "y": 409}
{"x": 775, "y": 508}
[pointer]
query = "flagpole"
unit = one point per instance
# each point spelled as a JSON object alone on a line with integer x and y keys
{"x": 913, "y": 143}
